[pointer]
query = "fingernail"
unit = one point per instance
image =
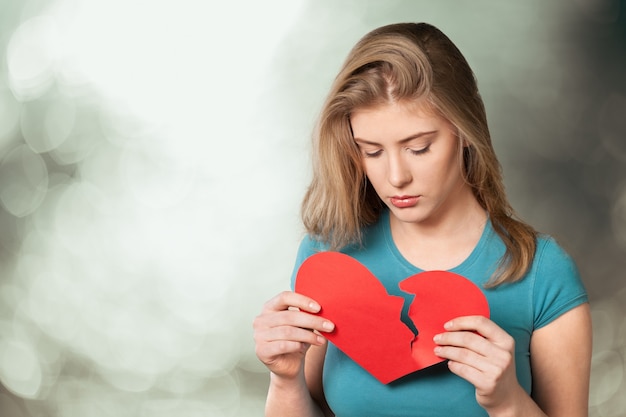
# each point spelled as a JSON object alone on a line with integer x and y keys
{"x": 448, "y": 325}
{"x": 314, "y": 306}
{"x": 437, "y": 338}
{"x": 328, "y": 325}
{"x": 320, "y": 340}
{"x": 437, "y": 350}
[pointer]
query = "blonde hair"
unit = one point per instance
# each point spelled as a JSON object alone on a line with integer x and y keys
{"x": 406, "y": 62}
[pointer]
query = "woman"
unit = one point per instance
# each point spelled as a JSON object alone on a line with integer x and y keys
{"x": 406, "y": 180}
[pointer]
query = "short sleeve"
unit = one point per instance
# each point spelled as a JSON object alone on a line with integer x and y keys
{"x": 558, "y": 287}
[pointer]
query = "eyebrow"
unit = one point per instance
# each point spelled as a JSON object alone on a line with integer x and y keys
{"x": 402, "y": 141}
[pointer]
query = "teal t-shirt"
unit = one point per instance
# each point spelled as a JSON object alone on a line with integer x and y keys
{"x": 551, "y": 287}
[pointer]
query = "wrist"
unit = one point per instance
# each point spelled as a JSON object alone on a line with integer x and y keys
{"x": 286, "y": 381}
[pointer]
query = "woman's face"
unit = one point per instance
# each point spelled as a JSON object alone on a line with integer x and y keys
{"x": 411, "y": 158}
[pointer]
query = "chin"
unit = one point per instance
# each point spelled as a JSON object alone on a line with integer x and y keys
{"x": 405, "y": 215}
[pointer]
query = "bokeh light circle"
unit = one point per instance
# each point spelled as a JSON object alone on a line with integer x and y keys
{"x": 20, "y": 369}
{"x": 606, "y": 377}
{"x": 23, "y": 181}
{"x": 32, "y": 57}
{"x": 46, "y": 124}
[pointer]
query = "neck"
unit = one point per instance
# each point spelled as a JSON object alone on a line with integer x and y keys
{"x": 442, "y": 244}
{"x": 455, "y": 221}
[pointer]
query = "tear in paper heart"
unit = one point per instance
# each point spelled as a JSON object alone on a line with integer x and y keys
{"x": 367, "y": 319}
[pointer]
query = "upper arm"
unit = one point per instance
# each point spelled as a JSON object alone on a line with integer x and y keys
{"x": 560, "y": 354}
{"x": 313, "y": 371}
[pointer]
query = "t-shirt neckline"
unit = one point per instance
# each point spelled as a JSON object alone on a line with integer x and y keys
{"x": 459, "y": 269}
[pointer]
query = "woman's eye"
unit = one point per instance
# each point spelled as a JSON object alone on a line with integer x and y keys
{"x": 419, "y": 151}
{"x": 372, "y": 154}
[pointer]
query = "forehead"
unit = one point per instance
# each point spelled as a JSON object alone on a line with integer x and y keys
{"x": 393, "y": 119}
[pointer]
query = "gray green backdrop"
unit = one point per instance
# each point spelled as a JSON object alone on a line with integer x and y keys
{"x": 153, "y": 155}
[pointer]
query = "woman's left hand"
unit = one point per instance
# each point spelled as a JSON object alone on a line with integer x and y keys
{"x": 481, "y": 352}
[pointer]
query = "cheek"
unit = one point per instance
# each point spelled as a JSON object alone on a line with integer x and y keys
{"x": 447, "y": 165}
{"x": 373, "y": 171}
{"x": 435, "y": 174}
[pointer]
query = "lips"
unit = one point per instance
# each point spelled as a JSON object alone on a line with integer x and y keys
{"x": 404, "y": 201}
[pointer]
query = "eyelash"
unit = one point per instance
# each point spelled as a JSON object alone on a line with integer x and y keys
{"x": 420, "y": 151}
{"x": 412, "y": 151}
{"x": 371, "y": 154}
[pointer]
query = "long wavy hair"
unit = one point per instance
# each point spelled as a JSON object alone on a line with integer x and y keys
{"x": 406, "y": 62}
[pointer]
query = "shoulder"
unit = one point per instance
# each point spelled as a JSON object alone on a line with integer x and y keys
{"x": 309, "y": 246}
{"x": 373, "y": 238}
{"x": 551, "y": 257}
{"x": 556, "y": 282}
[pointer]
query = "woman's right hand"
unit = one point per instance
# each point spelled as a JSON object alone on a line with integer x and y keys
{"x": 284, "y": 331}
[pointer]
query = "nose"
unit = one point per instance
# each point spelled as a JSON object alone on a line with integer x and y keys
{"x": 399, "y": 171}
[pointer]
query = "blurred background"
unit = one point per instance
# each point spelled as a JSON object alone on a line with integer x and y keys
{"x": 153, "y": 155}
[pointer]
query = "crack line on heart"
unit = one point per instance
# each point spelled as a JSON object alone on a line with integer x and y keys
{"x": 404, "y": 314}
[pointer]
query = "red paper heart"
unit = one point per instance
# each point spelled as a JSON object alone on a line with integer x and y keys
{"x": 367, "y": 319}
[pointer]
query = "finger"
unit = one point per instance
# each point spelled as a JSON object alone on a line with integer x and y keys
{"x": 491, "y": 362}
{"x": 485, "y": 378}
{"x": 287, "y": 299}
{"x": 465, "y": 339}
{"x": 470, "y": 373}
{"x": 479, "y": 324}
{"x": 494, "y": 353}
{"x": 466, "y": 357}
{"x": 293, "y": 334}
{"x": 296, "y": 319}
{"x": 268, "y": 352}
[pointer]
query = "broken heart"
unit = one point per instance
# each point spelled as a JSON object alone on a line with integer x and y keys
{"x": 367, "y": 319}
